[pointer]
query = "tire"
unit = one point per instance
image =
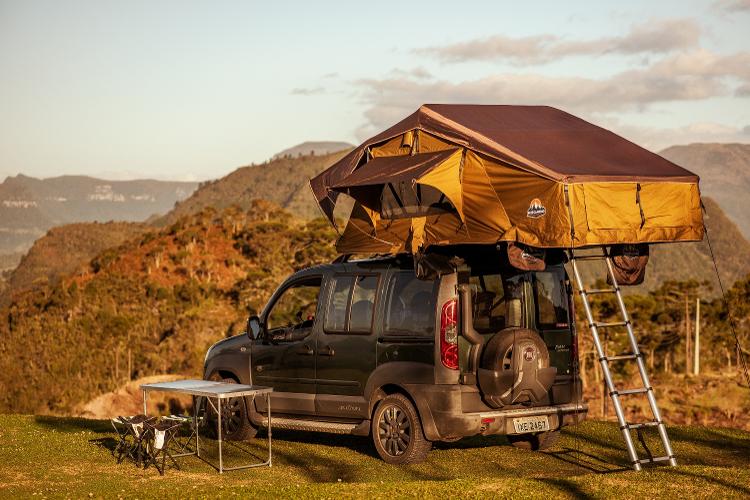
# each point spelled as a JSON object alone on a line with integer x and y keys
{"x": 235, "y": 423}
{"x": 498, "y": 357}
{"x": 534, "y": 442}
{"x": 397, "y": 432}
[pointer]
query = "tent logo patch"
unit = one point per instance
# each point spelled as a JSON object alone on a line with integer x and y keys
{"x": 536, "y": 209}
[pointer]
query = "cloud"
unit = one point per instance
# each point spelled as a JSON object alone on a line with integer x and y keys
{"x": 657, "y": 139}
{"x": 733, "y": 5}
{"x": 419, "y": 73}
{"x": 655, "y": 37}
{"x": 682, "y": 77}
{"x": 307, "y": 91}
{"x": 696, "y": 75}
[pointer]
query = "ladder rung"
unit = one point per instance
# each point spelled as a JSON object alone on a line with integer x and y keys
{"x": 641, "y": 425}
{"x": 620, "y": 357}
{"x": 624, "y": 392}
{"x": 599, "y": 290}
{"x": 589, "y": 257}
{"x": 654, "y": 459}
{"x": 611, "y": 325}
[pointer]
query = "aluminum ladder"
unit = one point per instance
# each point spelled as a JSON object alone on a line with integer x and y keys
{"x": 634, "y": 355}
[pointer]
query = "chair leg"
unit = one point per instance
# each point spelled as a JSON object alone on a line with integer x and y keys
{"x": 177, "y": 466}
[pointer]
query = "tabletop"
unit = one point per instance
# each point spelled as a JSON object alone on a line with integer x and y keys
{"x": 207, "y": 388}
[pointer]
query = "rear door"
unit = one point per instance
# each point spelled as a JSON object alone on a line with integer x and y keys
{"x": 346, "y": 343}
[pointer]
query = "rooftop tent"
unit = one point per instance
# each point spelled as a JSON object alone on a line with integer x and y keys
{"x": 451, "y": 174}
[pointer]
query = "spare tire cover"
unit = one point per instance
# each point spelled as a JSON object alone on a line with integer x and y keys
{"x": 515, "y": 369}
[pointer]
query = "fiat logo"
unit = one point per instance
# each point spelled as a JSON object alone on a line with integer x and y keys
{"x": 529, "y": 354}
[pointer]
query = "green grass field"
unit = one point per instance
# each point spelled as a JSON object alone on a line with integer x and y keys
{"x": 68, "y": 457}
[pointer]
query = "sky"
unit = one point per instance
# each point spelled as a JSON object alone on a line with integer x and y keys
{"x": 191, "y": 90}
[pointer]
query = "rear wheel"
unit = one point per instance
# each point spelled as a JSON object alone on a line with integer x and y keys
{"x": 534, "y": 442}
{"x": 397, "y": 432}
{"x": 235, "y": 425}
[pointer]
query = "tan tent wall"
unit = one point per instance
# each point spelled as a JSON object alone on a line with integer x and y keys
{"x": 609, "y": 212}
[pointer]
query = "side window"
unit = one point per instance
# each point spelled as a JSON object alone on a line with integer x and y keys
{"x": 551, "y": 300}
{"x": 410, "y": 307}
{"x": 293, "y": 313}
{"x": 338, "y": 304}
{"x": 351, "y": 304}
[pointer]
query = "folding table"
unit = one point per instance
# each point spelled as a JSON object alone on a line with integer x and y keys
{"x": 219, "y": 391}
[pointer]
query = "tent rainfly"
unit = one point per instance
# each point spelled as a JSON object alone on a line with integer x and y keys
{"x": 453, "y": 174}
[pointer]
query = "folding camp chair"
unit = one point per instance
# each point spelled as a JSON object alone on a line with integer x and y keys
{"x": 122, "y": 448}
{"x": 183, "y": 446}
{"x": 160, "y": 436}
{"x": 133, "y": 440}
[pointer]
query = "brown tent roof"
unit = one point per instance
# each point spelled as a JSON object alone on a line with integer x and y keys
{"x": 538, "y": 139}
{"x": 392, "y": 169}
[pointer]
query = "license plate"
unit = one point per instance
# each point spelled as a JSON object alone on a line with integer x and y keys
{"x": 523, "y": 425}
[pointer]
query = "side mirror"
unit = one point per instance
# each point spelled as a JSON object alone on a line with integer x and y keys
{"x": 253, "y": 327}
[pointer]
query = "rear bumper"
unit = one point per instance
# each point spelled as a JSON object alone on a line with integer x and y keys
{"x": 443, "y": 417}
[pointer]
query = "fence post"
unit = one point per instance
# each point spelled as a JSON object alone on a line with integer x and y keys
{"x": 697, "y": 358}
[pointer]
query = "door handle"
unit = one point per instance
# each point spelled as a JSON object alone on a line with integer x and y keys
{"x": 328, "y": 352}
{"x": 305, "y": 350}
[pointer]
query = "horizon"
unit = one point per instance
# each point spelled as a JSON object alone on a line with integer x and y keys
{"x": 256, "y": 164}
{"x": 182, "y": 91}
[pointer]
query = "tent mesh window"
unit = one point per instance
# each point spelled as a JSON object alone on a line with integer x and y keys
{"x": 404, "y": 200}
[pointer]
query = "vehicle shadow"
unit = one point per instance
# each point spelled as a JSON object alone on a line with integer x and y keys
{"x": 74, "y": 424}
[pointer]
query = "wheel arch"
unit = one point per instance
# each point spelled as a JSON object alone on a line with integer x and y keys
{"x": 403, "y": 377}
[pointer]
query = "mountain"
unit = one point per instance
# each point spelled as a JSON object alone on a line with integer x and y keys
{"x": 724, "y": 170}
{"x": 63, "y": 250}
{"x": 30, "y": 206}
{"x": 283, "y": 181}
{"x": 313, "y": 148}
{"x": 150, "y": 306}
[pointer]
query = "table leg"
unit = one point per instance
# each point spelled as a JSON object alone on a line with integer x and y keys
{"x": 268, "y": 409}
{"x": 144, "y": 402}
{"x": 195, "y": 426}
{"x": 218, "y": 411}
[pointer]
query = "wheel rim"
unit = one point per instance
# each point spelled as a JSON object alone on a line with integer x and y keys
{"x": 231, "y": 415}
{"x": 394, "y": 431}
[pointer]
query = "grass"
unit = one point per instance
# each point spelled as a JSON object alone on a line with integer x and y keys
{"x": 69, "y": 457}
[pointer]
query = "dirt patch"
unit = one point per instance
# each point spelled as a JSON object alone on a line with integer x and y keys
{"x": 128, "y": 400}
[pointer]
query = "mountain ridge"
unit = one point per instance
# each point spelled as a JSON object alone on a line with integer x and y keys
{"x": 724, "y": 171}
{"x": 29, "y": 206}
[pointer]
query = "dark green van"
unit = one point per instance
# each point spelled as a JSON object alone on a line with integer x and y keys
{"x": 368, "y": 348}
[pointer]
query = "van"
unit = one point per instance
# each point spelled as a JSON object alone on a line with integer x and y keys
{"x": 460, "y": 344}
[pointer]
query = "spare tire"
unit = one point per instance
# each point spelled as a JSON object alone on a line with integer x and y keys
{"x": 515, "y": 369}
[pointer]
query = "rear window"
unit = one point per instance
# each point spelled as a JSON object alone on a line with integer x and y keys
{"x": 497, "y": 302}
{"x": 551, "y": 299}
{"x": 410, "y": 307}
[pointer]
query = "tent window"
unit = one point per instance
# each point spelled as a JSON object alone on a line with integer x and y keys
{"x": 401, "y": 200}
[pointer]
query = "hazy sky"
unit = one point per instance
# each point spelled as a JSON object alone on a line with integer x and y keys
{"x": 191, "y": 90}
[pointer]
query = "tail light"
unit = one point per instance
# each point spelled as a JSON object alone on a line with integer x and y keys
{"x": 449, "y": 334}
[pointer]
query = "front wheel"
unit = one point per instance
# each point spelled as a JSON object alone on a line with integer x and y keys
{"x": 397, "y": 432}
{"x": 235, "y": 424}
